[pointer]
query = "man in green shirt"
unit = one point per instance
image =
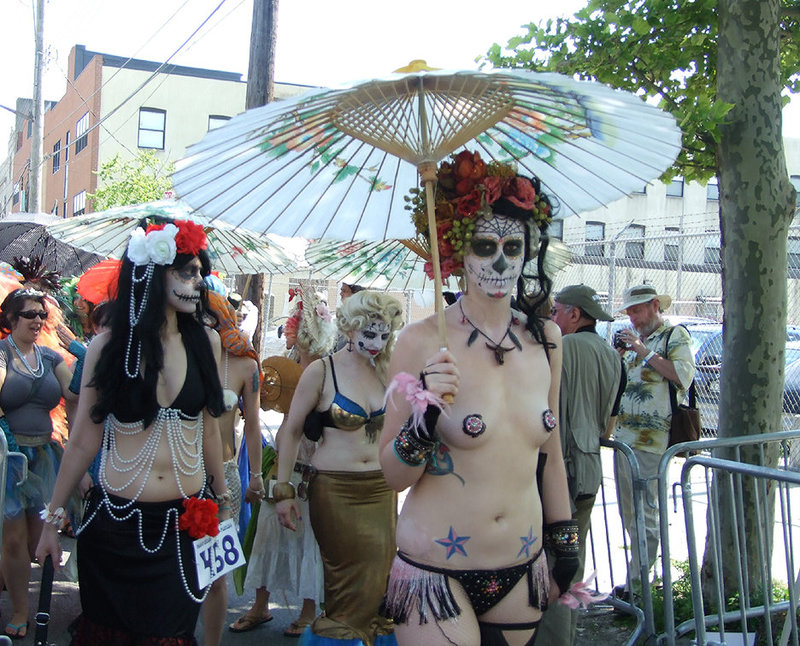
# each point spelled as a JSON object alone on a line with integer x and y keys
{"x": 592, "y": 382}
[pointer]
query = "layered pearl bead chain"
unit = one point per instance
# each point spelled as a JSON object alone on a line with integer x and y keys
{"x": 135, "y": 315}
{"x": 37, "y": 353}
{"x": 184, "y": 437}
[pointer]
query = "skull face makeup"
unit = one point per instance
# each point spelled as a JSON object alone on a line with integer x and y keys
{"x": 496, "y": 256}
{"x": 183, "y": 286}
{"x": 372, "y": 339}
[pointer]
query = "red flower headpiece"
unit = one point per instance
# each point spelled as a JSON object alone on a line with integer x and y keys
{"x": 200, "y": 518}
{"x": 189, "y": 239}
{"x": 467, "y": 187}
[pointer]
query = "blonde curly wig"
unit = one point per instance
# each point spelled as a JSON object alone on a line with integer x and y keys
{"x": 361, "y": 309}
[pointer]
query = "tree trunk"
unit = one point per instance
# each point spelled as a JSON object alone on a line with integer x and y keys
{"x": 260, "y": 91}
{"x": 756, "y": 208}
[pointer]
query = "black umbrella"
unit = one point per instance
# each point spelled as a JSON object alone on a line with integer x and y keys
{"x": 25, "y": 234}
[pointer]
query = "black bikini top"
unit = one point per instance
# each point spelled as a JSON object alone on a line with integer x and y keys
{"x": 347, "y": 415}
{"x": 190, "y": 400}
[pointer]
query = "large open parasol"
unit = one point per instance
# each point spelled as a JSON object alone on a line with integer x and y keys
{"x": 231, "y": 251}
{"x": 338, "y": 163}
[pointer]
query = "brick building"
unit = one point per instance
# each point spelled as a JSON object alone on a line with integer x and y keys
{"x": 138, "y": 104}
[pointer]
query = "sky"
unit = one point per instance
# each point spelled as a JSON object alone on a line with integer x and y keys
{"x": 320, "y": 42}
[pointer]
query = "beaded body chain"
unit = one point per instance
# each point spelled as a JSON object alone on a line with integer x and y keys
{"x": 184, "y": 438}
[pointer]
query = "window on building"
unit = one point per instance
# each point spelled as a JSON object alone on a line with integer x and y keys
{"x": 635, "y": 248}
{"x": 56, "y": 156}
{"x": 794, "y": 252}
{"x": 216, "y": 120}
{"x": 15, "y": 198}
{"x": 796, "y": 183}
{"x": 79, "y": 203}
{"x": 711, "y": 255}
{"x": 81, "y": 130}
{"x": 152, "y": 122}
{"x": 30, "y": 128}
{"x": 671, "y": 245}
{"x": 66, "y": 147}
{"x": 675, "y": 188}
{"x": 555, "y": 230}
{"x": 19, "y": 140}
{"x": 595, "y": 231}
{"x": 712, "y": 190}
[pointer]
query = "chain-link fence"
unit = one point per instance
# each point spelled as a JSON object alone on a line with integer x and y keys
{"x": 687, "y": 267}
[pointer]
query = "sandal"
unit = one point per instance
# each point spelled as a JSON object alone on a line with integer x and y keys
{"x": 20, "y": 631}
{"x": 296, "y": 628}
{"x": 248, "y": 622}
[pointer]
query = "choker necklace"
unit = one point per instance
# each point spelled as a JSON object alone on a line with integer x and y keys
{"x": 37, "y": 353}
{"x": 496, "y": 347}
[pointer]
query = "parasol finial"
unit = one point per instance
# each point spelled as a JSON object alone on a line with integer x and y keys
{"x": 417, "y": 65}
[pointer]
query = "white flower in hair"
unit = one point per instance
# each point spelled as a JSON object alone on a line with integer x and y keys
{"x": 137, "y": 248}
{"x": 161, "y": 245}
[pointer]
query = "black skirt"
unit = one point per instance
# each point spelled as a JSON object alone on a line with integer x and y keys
{"x": 130, "y": 595}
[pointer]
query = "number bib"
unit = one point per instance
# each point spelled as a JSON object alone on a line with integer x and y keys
{"x": 216, "y": 555}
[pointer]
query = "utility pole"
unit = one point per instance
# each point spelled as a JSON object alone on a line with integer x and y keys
{"x": 260, "y": 91}
{"x": 37, "y": 131}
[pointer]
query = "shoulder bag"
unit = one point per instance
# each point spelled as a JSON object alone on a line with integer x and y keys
{"x": 685, "y": 424}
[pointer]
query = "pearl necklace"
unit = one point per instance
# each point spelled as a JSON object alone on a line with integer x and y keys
{"x": 37, "y": 353}
{"x": 184, "y": 437}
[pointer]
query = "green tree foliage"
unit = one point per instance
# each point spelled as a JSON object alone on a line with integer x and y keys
{"x": 663, "y": 50}
{"x": 132, "y": 181}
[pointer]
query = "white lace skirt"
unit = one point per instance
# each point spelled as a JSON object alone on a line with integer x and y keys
{"x": 287, "y": 563}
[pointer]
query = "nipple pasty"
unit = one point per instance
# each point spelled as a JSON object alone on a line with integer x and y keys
{"x": 473, "y": 425}
{"x": 549, "y": 420}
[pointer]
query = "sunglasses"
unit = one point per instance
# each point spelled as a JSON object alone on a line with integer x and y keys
{"x": 32, "y": 314}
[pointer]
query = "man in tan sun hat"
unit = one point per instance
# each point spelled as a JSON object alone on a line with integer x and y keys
{"x": 592, "y": 382}
{"x": 655, "y": 354}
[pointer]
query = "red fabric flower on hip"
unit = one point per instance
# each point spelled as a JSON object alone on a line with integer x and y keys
{"x": 191, "y": 237}
{"x": 200, "y": 518}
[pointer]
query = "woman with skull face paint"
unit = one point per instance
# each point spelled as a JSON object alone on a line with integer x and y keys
{"x": 153, "y": 419}
{"x": 353, "y": 511}
{"x": 470, "y": 567}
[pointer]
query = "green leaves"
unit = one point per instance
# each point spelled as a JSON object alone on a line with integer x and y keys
{"x": 144, "y": 178}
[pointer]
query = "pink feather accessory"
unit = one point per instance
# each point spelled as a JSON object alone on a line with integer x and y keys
{"x": 580, "y": 595}
{"x": 419, "y": 398}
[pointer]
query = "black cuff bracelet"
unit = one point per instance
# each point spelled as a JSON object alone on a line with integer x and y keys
{"x": 412, "y": 449}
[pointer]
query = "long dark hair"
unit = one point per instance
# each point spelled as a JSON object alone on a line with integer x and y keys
{"x": 110, "y": 377}
{"x": 533, "y": 290}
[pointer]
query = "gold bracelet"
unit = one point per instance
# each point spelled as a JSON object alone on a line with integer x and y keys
{"x": 283, "y": 491}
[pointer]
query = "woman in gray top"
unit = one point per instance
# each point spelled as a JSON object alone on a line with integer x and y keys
{"x": 33, "y": 379}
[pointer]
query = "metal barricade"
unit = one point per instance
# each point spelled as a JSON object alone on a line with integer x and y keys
{"x": 701, "y": 476}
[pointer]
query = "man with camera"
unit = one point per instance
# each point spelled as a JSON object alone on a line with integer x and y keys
{"x": 592, "y": 382}
{"x": 655, "y": 354}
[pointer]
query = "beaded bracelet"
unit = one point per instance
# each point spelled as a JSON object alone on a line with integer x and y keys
{"x": 283, "y": 491}
{"x": 57, "y": 517}
{"x": 562, "y": 536}
{"x": 411, "y": 449}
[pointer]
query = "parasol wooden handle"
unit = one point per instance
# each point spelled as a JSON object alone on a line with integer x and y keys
{"x": 427, "y": 171}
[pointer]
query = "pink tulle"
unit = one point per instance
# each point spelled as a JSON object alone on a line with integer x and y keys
{"x": 416, "y": 395}
{"x": 579, "y": 595}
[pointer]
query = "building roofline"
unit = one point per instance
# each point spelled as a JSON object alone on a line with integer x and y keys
{"x": 84, "y": 56}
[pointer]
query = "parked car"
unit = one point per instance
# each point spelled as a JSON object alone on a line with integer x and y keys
{"x": 707, "y": 343}
{"x": 791, "y": 382}
{"x": 607, "y": 329}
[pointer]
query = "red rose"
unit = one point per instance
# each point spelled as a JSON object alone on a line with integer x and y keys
{"x": 449, "y": 266}
{"x": 468, "y": 204}
{"x": 492, "y": 189}
{"x": 200, "y": 518}
{"x": 153, "y": 227}
{"x": 191, "y": 237}
{"x": 520, "y": 191}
